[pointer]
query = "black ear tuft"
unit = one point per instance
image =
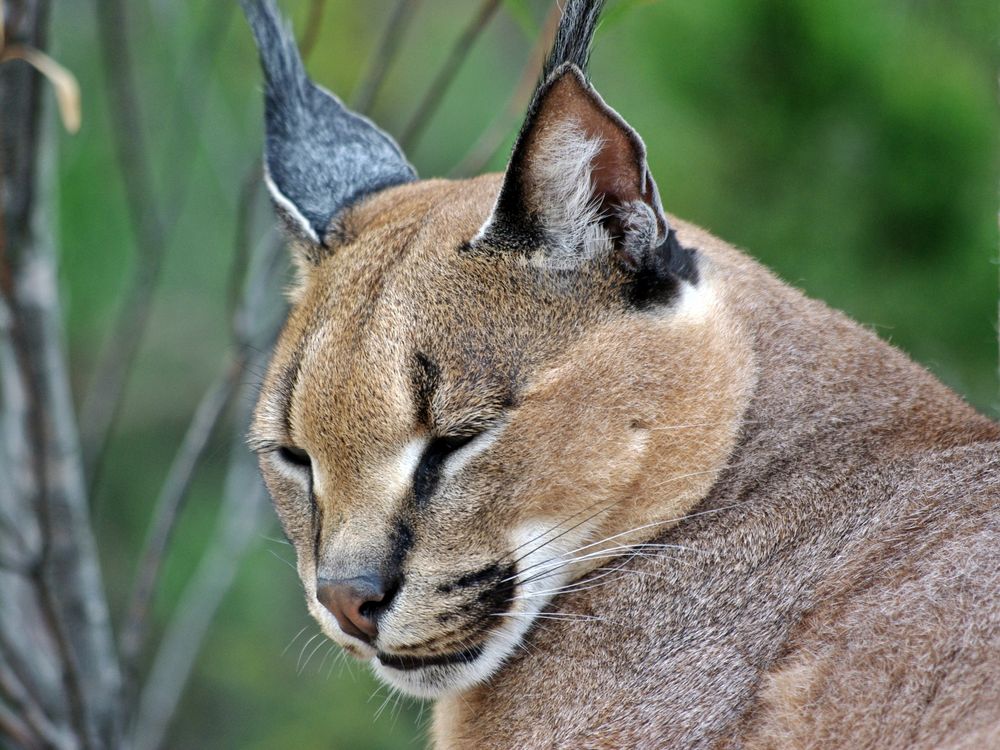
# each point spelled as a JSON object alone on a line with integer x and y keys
{"x": 574, "y": 36}
{"x": 577, "y": 184}
{"x": 320, "y": 157}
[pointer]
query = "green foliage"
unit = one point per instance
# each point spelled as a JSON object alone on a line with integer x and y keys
{"x": 850, "y": 145}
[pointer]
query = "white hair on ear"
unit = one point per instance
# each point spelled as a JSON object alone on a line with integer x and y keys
{"x": 564, "y": 197}
{"x": 289, "y": 211}
{"x": 639, "y": 227}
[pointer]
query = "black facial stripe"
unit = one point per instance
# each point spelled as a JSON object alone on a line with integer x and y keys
{"x": 493, "y": 571}
{"x": 401, "y": 542}
{"x": 425, "y": 377}
{"x": 497, "y": 598}
{"x": 317, "y": 520}
{"x": 428, "y": 471}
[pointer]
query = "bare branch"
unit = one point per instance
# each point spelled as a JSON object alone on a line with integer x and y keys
{"x": 250, "y": 189}
{"x": 313, "y": 23}
{"x": 172, "y": 495}
{"x": 493, "y": 137}
{"x": 250, "y": 285}
{"x": 239, "y": 521}
{"x": 35, "y": 721}
{"x": 448, "y": 71}
{"x": 12, "y": 728}
{"x": 38, "y": 413}
{"x": 102, "y": 402}
{"x": 148, "y": 217}
{"x": 18, "y": 679}
{"x": 386, "y": 51}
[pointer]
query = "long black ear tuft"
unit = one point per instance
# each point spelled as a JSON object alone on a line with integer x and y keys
{"x": 577, "y": 184}
{"x": 319, "y": 157}
{"x": 574, "y": 36}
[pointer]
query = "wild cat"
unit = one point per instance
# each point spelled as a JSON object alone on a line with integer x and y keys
{"x": 590, "y": 477}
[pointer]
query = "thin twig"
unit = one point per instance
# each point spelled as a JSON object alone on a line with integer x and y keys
{"x": 386, "y": 51}
{"x": 251, "y": 333}
{"x": 246, "y": 323}
{"x": 448, "y": 71}
{"x": 31, "y": 712}
{"x": 103, "y": 399}
{"x": 313, "y": 23}
{"x": 12, "y": 728}
{"x": 171, "y": 498}
{"x": 146, "y": 213}
{"x": 239, "y": 520}
{"x": 493, "y": 137}
{"x": 249, "y": 190}
{"x": 15, "y": 669}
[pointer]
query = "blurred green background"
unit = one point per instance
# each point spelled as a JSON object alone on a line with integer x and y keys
{"x": 850, "y": 145}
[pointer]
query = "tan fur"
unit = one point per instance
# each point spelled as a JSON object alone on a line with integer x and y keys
{"x": 592, "y": 478}
{"x": 833, "y": 578}
{"x": 842, "y": 589}
{"x": 596, "y": 420}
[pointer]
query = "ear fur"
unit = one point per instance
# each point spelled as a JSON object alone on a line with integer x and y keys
{"x": 319, "y": 157}
{"x": 577, "y": 184}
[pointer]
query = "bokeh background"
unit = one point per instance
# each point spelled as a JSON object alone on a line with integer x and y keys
{"x": 850, "y": 145}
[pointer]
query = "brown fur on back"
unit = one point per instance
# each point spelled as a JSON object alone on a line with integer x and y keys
{"x": 837, "y": 587}
{"x": 592, "y": 478}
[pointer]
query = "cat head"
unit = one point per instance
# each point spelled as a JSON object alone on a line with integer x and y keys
{"x": 479, "y": 392}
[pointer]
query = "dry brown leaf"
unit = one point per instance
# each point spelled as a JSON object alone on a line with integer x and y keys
{"x": 63, "y": 82}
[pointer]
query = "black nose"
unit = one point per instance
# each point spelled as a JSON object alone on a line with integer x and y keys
{"x": 356, "y": 603}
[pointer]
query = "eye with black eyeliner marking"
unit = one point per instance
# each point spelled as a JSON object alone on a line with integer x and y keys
{"x": 428, "y": 472}
{"x": 294, "y": 457}
{"x": 452, "y": 443}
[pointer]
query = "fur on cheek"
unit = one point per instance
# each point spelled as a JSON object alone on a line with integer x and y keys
{"x": 640, "y": 416}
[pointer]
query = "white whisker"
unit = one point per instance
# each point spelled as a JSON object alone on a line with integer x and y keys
{"x": 550, "y": 616}
{"x": 286, "y": 562}
{"x": 298, "y": 664}
{"x": 312, "y": 653}
{"x": 294, "y": 638}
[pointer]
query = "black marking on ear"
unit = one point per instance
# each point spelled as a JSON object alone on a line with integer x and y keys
{"x": 513, "y": 229}
{"x": 574, "y": 152}
{"x": 656, "y": 281}
{"x": 683, "y": 261}
{"x": 424, "y": 376}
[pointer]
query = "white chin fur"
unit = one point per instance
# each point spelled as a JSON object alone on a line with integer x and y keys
{"x": 530, "y": 598}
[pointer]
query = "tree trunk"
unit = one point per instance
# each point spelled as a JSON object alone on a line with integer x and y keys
{"x": 59, "y": 674}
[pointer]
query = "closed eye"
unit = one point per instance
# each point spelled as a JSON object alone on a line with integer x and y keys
{"x": 294, "y": 457}
{"x": 428, "y": 472}
{"x": 452, "y": 443}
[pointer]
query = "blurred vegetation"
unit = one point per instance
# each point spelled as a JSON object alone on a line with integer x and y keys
{"x": 852, "y": 146}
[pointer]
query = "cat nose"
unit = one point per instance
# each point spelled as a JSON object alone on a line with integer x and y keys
{"x": 356, "y": 603}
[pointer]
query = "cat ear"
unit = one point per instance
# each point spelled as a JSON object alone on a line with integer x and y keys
{"x": 577, "y": 183}
{"x": 319, "y": 157}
